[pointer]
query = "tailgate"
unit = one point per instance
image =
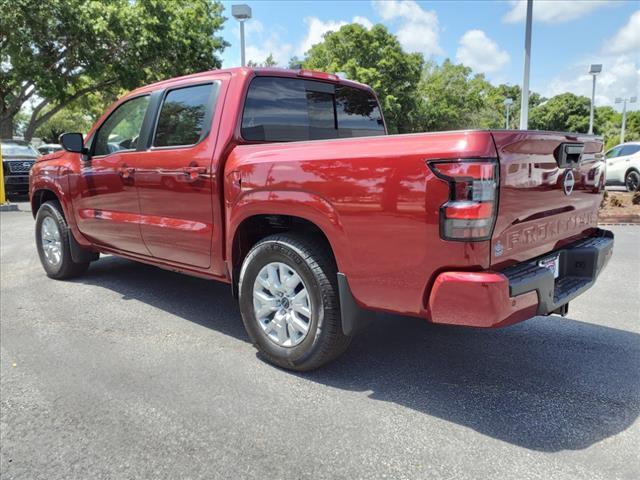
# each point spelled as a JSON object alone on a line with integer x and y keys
{"x": 550, "y": 191}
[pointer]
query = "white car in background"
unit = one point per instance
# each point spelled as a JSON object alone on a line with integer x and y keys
{"x": 623, "y": 166}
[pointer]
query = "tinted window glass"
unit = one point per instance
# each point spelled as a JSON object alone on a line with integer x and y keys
{"x": 614, "y": 152}
{"x": 358, "y": 113}
{"x": 276, "y": 110}
{"x": 289, "y": 109}
{"x": 183, "y": 115}
{"x": 630, "y": 149}
{"x": 122, "y": 129}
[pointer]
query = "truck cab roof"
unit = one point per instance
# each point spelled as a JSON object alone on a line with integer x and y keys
{"x": 255, "y": 71}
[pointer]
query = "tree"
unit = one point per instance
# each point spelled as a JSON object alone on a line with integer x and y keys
{"x": 493, "y": 112}
{"x": 632, "y": 130}
{"x": 563, "y": 113}
{"x": 268, "y": 62}
{"x": 66, "y": 120}
{"x": 373, "y": 57}
{"x": 55, "y": 52}
{"x": 294, "y": 63}
{"x": 451, "y": 96}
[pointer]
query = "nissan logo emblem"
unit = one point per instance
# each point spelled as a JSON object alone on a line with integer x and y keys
{"x": 568, "y": 182}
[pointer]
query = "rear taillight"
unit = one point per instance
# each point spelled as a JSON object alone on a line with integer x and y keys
{"x": 470, "y": 212}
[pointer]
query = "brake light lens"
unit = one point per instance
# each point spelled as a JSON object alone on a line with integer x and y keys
{"x": 470, "y": 212}
{"x": 318, "y": 75}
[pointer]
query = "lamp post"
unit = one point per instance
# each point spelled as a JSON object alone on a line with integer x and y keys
{"x": 507, "y": 103}
{"x": 241, "y": 13}
{"x": 594, "y": 70}
{"x": 524, "y": 101}
{"x": 624, "y": 101}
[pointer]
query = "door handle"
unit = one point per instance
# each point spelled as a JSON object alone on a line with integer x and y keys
{"x": 193, "y": 172}
{"x": 126, "y": 172}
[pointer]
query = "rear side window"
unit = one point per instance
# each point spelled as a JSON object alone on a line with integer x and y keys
{"x": 629, "y": 150}
{"x": 289, "y": 109}
{"x": 185, "y": 114}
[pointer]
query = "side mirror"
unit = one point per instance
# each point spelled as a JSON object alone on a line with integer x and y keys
{"x": 72, "y": 142}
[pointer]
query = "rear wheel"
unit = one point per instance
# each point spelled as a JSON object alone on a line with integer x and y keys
{"x": 52, "y": 242}
{"x": 632, "y": 181}
{"x": 289, "y": 302}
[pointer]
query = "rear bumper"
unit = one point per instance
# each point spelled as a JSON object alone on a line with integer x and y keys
{"x": 522, "y": 291}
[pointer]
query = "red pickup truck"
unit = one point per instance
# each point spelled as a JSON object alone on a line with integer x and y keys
{"x": 285, "y": 185}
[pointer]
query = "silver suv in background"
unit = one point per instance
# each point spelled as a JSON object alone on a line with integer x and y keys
{"x": 623, "y": 166}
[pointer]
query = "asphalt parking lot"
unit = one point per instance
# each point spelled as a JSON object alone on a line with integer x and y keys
{"x": 133, "y": 371}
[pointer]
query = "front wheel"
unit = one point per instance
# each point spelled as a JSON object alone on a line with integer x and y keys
{"x": 52, "y": 242}
{"x": 289, "y": 302}
{"x": 632, "y": 181}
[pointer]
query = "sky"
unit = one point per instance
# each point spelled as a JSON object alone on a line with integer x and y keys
{"x": 486, "y": 35}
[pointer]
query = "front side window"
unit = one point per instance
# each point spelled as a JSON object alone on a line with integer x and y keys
{"x": 614, "y": 152}
{"x": 289, "y": 109}
{"x": 121, "y": 130}
{"x": 183, "y": 115}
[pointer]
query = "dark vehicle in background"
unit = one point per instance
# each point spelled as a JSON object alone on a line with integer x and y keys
{"x": 48, "y": 148}
{"x": 17, "y": 159}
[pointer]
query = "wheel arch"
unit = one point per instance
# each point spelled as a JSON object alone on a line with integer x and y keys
{"x": 42, "y": 195}
{"x": 267, "y": 211}
{"x": 629, "y": 170}
{"x": 254, "y": 228}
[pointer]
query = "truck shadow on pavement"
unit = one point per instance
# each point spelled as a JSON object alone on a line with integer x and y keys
{"x": 548, "y": 384}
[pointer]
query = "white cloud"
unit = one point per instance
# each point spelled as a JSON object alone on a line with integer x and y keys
{"x": 628, "y": 37}
{"x": 553, "y": 11}
{"x": 418, "y": 29}
{"x": 317, "y": 28}
{"x": 260, "y": 43}
{"x": 479, "y": 52}
{"x": 620, "y": 75}
{"x": 364, "y": 21}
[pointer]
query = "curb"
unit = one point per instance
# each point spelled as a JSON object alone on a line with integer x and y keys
{"x": 627, "y": 219}
{"x": 9, "y": 207}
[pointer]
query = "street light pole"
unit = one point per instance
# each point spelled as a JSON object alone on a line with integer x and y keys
{"x": 242, "y": 59}
{"x": 594, "y": 70}
{"x": 624, "y": 113}
{"x": 241, "y": 13}
{"x": 524, "y": 101}
{"x": 507, "y": 102}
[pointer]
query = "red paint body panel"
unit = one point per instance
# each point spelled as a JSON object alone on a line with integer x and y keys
{"x": 534, "y": 214}
{"x": 478, "y": 299}
{"x": 381, "y": 201}
{"x": 374, "y": 198}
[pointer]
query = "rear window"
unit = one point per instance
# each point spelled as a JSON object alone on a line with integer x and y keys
{"x": 289, "y": 109}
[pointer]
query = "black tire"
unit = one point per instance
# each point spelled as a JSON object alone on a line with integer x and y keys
{"x": 632, "y": 181}
{"x": 314, "y": 264}
{"x": 66, "y": 268}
